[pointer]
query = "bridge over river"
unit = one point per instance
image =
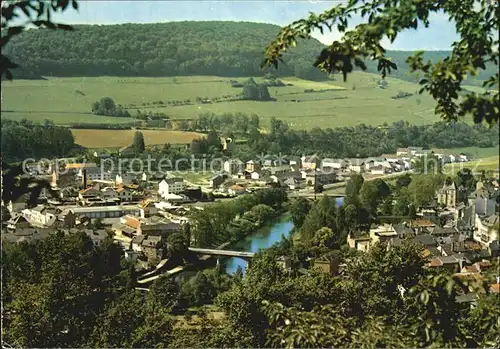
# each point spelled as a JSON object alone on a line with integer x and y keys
{"x": 222, "y": 253}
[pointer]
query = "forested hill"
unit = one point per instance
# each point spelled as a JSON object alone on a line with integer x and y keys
{"x": 162, "y": 49}
{"x": 169, "y": 49}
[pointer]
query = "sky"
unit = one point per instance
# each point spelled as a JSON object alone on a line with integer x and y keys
{"x": 439, "y": 36}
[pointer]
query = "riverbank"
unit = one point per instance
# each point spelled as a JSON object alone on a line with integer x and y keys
{"x": 262, "y": 238}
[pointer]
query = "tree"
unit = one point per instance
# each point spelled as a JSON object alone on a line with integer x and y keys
{"x": 322, "y": 214}
{"x": 402, "y": 205}
{"x": 423, "y": 188}
{"x": 254, "y": 91}
{"x": 107, "y": 106}
{"x": 184, "y": 125}
{"x": 466, "y": 179}
{"x": 165, "y": 293}
{"x": 138, "y": 143}
{"x": 324, "y": 237}
{"x": 351, "y": 217}
{"x": 372, "y": 193}
{"x": 213, "y": 140}
{"x": 403, "y": 181}
{"x": 98, "y": 223}
{"x": 353, "y": 186}
{"x": 254, "y": 121}
{"x": 299, "y": 208}
{"x": 477, "y": 26}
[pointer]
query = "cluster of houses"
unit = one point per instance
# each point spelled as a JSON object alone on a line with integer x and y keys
{"x": 300, "y": 172}
{"x": 137, "y": 214}
{"x": 461, "y": 236}
{"x": 417, "y": 152}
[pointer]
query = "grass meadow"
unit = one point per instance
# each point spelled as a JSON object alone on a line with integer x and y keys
{"x": 475, "y": 152}
{"x": 359, "y": 100}
{"x": 487, "y": 164}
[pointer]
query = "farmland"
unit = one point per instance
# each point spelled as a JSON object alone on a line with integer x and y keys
{"x": 359, "y": 100}
{"x": 475, "y": 152}
{"x": 487, "y": 164}
{"x": 119, "y": 138}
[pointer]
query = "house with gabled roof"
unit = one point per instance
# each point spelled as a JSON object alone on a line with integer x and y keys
{"x": 147, "y": 208}
{"x": 41, "y": 216}
{"x": 326, "y": 264}
{"x": 356, "y": 165}
{"x": 252, "y": 166}
{"x": 124, "y": 194}
{"x": 89, "y": 193}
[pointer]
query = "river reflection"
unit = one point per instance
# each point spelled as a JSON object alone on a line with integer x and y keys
{"x": 262, "y": 239}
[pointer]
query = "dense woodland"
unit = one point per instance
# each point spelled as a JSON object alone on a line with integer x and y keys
{"x": 25, "y": 139}
{"x": 167, "y": 49}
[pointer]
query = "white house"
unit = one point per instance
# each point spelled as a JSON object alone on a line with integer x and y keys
{"x": 40, "y": 215}
{"x": 97, "y": 236}
{"x": 171, "y": 186}
{"x": 402, "y": 151}
{"x": 252, "y": 166}
{"x": 462, "y": 158}
{"x": 333, "y": 163}
{"x": 356, "y": 165}
{"x": 310, "y": 162}
{"x": 378, "y": 170}
{"x": 233, "y": 166}
{"x": 255, "y": 175}
{"x": 486, "y": 229}
{"x": 93, "y": 174}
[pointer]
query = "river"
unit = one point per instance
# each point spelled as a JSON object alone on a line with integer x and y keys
{"x": 263, "y": 238}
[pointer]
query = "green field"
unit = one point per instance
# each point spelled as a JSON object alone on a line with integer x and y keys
{"x": 487, "y": 164}
{"x": 359, "y": 100}
{"x": 476, "y": 152}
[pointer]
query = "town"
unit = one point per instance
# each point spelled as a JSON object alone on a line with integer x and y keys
{"x": 139, "y": 210}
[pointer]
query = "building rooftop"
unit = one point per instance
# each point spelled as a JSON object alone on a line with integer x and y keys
{"x": 425, "y": 240}
{"x": 493, "y": 220}
{"x": 114, "y": 208}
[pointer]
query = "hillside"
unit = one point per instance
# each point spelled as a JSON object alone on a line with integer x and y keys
{"x": 163, "y": 49}
{"x": 227, "y": 49}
